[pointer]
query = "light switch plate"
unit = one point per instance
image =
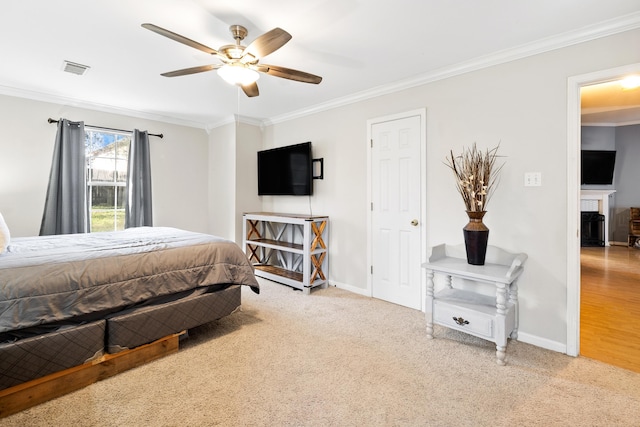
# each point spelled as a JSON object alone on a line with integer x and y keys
{"x": 532, "y": 179}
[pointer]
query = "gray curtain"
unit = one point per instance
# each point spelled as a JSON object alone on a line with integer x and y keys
{"x": 138, "y": 206}
{"x": 65, "y": 208}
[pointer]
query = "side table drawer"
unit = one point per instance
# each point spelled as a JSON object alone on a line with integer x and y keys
{"x": 471, "y": 322}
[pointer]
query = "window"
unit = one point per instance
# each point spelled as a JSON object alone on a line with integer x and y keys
{"x": 107, "y": 158}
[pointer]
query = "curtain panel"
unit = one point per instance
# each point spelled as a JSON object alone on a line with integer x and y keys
{"x": 66, "y": 210}
{"x": 138, "y": 211}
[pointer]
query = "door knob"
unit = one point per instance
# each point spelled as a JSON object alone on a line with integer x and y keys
{"x": 414, "y": 222}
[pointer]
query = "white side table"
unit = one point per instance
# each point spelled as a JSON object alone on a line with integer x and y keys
{"x": 494, "y": 318}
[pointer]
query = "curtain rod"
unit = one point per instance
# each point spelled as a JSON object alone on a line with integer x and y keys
{"x": 159, "y": 135}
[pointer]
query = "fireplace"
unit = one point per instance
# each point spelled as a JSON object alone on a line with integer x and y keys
{"x": 592, "y": 226}
{"x": 596, "y": 202}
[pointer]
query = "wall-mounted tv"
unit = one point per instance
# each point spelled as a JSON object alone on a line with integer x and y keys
{"x": 597, "y": 167}
{"x": 286, "y": 171}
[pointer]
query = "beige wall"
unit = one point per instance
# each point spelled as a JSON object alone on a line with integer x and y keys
{"x": 233, "y": 182}
{"x": 249, "y": 142}
{"x": 222, "y": 194}
{"x": 523, "y": 106}
{"x": 179, "y": 164}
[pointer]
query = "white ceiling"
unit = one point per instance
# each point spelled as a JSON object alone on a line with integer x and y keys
{"x": 361, "y": 48}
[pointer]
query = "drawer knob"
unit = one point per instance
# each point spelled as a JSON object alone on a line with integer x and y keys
{"x": 460, "y": 321}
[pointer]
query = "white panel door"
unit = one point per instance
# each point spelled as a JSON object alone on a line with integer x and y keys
{"x": 395, "y": 217}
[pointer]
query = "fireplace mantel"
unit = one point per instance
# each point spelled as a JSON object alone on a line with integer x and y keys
{"x": 597, "y": 200}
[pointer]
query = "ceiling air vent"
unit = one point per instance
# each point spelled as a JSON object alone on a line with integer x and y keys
{"x": 74, "y": 68}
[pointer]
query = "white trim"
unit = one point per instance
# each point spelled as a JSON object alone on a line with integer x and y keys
{"x": 591, "y": 32}
{"x": 542, "y": 342}
{"x": 236, "y": 119}
{"x": 248, "y": 120}
{"x": 614, "y": 125}
{"x": 61, "y": 100}
{"x": 226, "y": 121}
{"x": 354, "y": 289}
{"x": 422, "y": 113}
{"x": 573, "y": 194}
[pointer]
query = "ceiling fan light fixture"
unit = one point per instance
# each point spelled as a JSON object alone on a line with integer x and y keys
{"x": 238, "y": 74}
{"x": 240, "y": 65}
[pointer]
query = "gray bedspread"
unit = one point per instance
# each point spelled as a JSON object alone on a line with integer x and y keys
{"x": 55, "y": 278}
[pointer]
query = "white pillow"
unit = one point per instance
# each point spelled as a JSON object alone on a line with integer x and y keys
{"x": 4, "y": 235}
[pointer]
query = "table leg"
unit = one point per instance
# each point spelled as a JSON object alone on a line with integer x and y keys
{"x": 428, "y": 306}
{"x": 501, "y": 353}
{"x": 513, "y": 299}
{"x": 501, "y": 333}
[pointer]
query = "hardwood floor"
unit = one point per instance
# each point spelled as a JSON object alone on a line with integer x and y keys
{"x": 610, "y": 305}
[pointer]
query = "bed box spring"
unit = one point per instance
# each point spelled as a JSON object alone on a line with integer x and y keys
{"x": 34, "y": 357}
{"x": 143, "y": 325}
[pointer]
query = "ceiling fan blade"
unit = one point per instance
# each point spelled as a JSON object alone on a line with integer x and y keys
{"x": 267, "y": 43}
{"x": 251, "y": 89}
{"x": 179, "y": 38}
{"x": 288, "y": 73}
{"x": 192, "y": 70}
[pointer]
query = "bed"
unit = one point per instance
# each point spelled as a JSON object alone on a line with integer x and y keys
{"x": 67, "y": 300}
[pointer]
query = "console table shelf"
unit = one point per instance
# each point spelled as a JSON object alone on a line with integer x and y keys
{"x": 288, "y": 248}
{"x": 276, "y": 273}
{"x": 494, "y": 318}
{"x": 274, "y": 244}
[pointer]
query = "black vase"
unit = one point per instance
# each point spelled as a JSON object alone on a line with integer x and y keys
{"x": 476, "y": 237}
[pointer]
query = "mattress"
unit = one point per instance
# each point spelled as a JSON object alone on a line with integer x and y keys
{"x": 55, "y": 278}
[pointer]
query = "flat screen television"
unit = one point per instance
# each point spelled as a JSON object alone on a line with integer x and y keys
{"x": 286, "y": 171}
{"x": 597, "y": 167}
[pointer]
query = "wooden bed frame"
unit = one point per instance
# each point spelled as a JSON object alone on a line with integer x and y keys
{"x": 40, "y": 390}
{"x": 219, "y": 304}
{"x": 50, "y": 360}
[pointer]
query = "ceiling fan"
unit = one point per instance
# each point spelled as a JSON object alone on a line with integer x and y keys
{"x": 240, "y": 64}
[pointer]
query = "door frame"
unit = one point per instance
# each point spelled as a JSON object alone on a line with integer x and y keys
{"x": 422, "y": 113}
{"x": 573, "y": 193}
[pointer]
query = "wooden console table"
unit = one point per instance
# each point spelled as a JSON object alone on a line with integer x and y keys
{"x": 288, "y": 248}
{"x": 462, "y": 307}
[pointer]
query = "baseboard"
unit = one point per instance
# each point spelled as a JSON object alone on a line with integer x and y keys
{"x": 350, "y": 288}
{"x": 542, "y": 342}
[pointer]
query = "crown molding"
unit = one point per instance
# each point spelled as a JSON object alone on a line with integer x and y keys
{"x": 226, "y": 121}
{"x": 248, "y": 120}
{"x": 71, "y": 102}
{"x": 591, "y": 32}
{"x": 233, "y": 119}
{"x": 584, "y": 34}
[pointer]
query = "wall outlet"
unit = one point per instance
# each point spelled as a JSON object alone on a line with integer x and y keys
{"x": 532, "y": 179}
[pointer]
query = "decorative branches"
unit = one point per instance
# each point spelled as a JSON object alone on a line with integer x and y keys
{"x": 476, "y": 175}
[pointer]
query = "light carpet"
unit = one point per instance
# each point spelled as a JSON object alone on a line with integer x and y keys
{"x": 334, "y": 358}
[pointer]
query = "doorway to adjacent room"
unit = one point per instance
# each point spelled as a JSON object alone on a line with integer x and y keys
{"x": 592, "y": 273}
